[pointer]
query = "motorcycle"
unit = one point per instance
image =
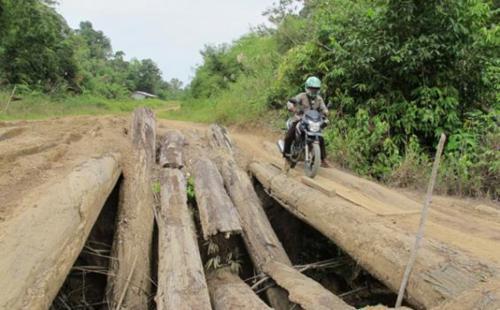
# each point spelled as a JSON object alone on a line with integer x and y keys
{"x": 306, "y": 145}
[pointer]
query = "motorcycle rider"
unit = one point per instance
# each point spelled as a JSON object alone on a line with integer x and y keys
{"x": 310, "y": 99}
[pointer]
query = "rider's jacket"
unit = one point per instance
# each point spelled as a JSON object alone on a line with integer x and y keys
{"x": 304, "y": 103}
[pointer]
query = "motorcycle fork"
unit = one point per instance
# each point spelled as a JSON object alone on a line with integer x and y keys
{"x": 309, "y": 142}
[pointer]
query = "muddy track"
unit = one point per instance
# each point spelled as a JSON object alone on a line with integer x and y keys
{"x": 37, "y": 156}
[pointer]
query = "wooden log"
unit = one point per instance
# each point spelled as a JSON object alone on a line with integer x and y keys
{"x": 171, "y": 150}
{"x": 134, "y": 232}
{"x": 485, "y": 297}
{"x": 441, "y": 273}
{"x": 302, "y": 290}
{"x": 41, "y": 243}
{"x": 260, "y": 239}
{"x": 258, "y": 234}
{"x": 219, "y": 139}
{"x": 330, "y": 192}
{"x": 217, "y": 212}
{"x": 229, "y": 292}
{"x": 181, "y": 279}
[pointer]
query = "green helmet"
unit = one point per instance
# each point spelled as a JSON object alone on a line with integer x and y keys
{"x": 313, "y": 84}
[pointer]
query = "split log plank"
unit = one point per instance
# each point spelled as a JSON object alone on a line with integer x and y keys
{"x": 441, "y": 272}
{"x": 229, "y": 292}
{"x": 330, "y": 192}
{"x": 171, "y": 150}
{"x": 134, "y": 232}
{"x": 302, "y": 290}
{"x": 181, "y": 279}
{"x": 45, "y": 240}
{"x": 217, "y": 212}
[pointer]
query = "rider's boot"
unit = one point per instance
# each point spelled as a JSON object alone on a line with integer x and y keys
{"x": 325, "y": 164}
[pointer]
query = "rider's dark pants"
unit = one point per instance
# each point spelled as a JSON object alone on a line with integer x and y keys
{"x": 290, "y": 136}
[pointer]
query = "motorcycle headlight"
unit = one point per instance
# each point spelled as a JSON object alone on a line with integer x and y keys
{"x": 314, "y": 127}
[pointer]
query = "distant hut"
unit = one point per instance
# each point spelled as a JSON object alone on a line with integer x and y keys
{"x": 140, "y": 95}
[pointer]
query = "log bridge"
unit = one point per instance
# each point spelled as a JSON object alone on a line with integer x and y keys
{"x": 167, "y": 271}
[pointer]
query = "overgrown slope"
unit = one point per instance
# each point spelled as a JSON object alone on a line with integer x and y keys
{"x": 397, "y": 72}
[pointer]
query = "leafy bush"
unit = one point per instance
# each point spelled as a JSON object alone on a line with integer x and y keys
{"x": 398, "y": 73}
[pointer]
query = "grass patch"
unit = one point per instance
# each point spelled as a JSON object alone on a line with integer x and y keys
{"x": 40, "y": 106}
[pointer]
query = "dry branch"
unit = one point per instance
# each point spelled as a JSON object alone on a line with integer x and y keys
{"x": 46, "y": 239}
{"x": 441, "y": 273}
{"x": 134, "y": 232}
{"x": 181, "y": 279}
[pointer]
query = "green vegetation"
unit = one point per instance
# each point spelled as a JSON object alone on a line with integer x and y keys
{"x": 42, "y": 106}
{"x": 233, "y": 84}
{"x": 398, "y": 73}
{"x": 40, "y": 53}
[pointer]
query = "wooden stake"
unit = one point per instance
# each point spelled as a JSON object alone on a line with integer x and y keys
{"x": 423, "y": 219}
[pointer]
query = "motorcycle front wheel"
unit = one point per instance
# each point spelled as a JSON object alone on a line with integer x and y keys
{"x": 311, "y": 167}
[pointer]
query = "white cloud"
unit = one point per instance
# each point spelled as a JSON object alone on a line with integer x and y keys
{"x": 170, "y": 32}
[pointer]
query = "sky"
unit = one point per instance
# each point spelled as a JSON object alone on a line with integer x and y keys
{"x": 172, "y": 33}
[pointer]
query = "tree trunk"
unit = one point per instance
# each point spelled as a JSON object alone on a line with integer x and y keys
{"x": 441, "y": 272}
{"x": 229, "y": 292}
{"x": 302, "y": 290}
{"x": 218, "y": 139}
{"x": 171, "y": 150}
{"x": 217, "y": 212}
{"x": 260, "y": 238}
{"x": 181, "y": 279}
{"x": 129, "y": 282}
{"x": 41, "y": 244}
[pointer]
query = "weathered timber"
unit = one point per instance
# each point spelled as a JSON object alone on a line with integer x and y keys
{"x": 45, "y": 239}
{"x": 134, "y": 232}
{"x": 258, "y": 234}
{"x": 330, "y": 192}
{"x": 181, "y": 279}
{"x": 217, "y": 212}
{"x": 229, "y": 292}
{"x": 441, "y": 272}
{"x": 260, "y": 239}
{"x": 171, "y": 150}
{"x": 485, "y": 297}
{"x": 219, "y": 139}
{"x": 302, "y": 290}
